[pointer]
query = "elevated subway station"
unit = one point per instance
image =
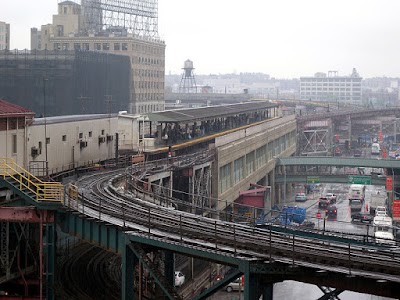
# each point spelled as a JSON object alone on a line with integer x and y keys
{"x": 242, "y": 157}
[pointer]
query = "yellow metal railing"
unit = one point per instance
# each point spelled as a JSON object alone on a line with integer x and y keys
{"x": 44, "y": 191}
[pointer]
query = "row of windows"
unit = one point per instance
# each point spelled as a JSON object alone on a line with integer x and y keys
{"x": 231, "y": 174}
{"x": 336, "y": 97}
{"x": 330, "y": 79}
{"x": 149, "y": 108}
{"x": 150, "y": 85}
{"x": 149, "y": 73}
{"x": 329, "y": 94}
{"x": 331, "y": 89}
{"x": 64, "y": 137}
{"x": 116, "y": 46}
{"x": 330, "y": 84}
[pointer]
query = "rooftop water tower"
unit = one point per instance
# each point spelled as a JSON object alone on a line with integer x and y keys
{"x": 188, "y": 82}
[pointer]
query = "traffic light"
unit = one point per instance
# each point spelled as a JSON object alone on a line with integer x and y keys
{"x": 169, "y": 151}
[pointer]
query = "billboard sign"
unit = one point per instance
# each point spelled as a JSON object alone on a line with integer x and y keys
{"x": 396, "y": 210}
{"x": 389, "y": 183}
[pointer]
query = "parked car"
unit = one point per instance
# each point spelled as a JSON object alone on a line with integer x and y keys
{"x": 362, "y": 217}
{"x": 301, "y": 197}
{"x": 331, "y": 211}
{"x": 235, "y": 285}
{"x": 179, "y": 278}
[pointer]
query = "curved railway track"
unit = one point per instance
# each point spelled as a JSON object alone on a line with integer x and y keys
{"x": 104, "y": 196}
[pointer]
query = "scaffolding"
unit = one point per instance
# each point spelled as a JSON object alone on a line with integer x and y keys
{"x": 138, "y": 17}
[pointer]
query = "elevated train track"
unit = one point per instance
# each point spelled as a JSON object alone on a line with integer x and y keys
{"x": 106, "y": 198}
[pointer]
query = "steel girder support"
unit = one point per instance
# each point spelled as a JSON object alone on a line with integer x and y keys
{"x": 129, "y": 262}
{"x": 316, "y": 141}
{"x": 158, "y": 276}
{"x": 50, "y": 254}
{"x": 108, "y": 237}
{"x": 169, "y": 267}
{"x": 329, "y": 293}
{"x": 252, "y": 283}
{"x": 268, "y": 291}
{"x": 216, "y": 287}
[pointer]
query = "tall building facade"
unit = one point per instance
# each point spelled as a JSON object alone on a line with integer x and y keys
{"x": 77, "y": 27}
{"x": 4, "y": 36}
{"x": 332, "y": 88}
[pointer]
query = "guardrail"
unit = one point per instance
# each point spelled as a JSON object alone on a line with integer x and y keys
{"x": 43, "y": 191}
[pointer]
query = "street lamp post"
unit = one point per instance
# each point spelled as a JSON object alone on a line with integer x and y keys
{"x": 45, "y": 125}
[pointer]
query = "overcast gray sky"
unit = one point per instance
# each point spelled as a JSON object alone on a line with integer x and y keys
{"x": 283, "y": 38}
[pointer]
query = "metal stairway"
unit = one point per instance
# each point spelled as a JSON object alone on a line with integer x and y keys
{"x": 30, "y": 188}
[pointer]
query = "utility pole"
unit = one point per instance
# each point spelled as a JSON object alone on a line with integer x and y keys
{"x": 45, "y": 125}
{"x": 83, "y": 99}
{"x": 109, "y": 99}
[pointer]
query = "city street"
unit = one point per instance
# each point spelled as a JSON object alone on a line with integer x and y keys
{"x": 302, "y": 291}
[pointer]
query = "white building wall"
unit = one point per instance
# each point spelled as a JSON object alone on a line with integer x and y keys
{"x": 128, "y": 129}
{"x": 6, "y": 145}
{"x": 64, "y": 149}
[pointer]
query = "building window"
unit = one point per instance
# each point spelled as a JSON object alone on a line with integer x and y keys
{"x": 225, "y": 178}
{"x": 124, "y": 46}
{"x": 238, "y": 170}
{"x": 77, "y": 46}
{"x": 64, "y": 138}
{"x": 250, "y": 163}
{"x": 47, "y": 140}
{"x": 106, "y": 46}
{"x": 57, "y": 46}
{"x": 65, "y": 46}
{"x": 97, "y": 46}
{"x": 14, "y": 144}
{"x": 117, "y": 46}
{"x": 85, "y": 46}
{"x": 90, "y": 134}
{"x": 102, "y": 132}
{"x": 80, "y": 135}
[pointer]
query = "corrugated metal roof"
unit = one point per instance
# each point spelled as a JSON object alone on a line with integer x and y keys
{"x": 209, "y": 112}
{"x": 10, "y": 109}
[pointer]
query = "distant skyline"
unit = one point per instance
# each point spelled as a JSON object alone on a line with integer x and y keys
{"x": 285, "y": 38}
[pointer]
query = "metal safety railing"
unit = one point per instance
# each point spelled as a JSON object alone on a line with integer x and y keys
{"x": 42, "y": 191}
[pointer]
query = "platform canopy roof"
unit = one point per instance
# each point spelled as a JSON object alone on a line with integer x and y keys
{"x": 209, "y": 112}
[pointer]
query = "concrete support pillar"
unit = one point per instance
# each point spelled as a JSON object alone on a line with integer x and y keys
{"x": 129, "y": 262}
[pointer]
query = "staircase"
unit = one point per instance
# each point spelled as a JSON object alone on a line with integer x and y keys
{"x": 28, "y": 186}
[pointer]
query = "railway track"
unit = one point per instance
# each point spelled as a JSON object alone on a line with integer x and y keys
{"x": 105, "y": 196}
